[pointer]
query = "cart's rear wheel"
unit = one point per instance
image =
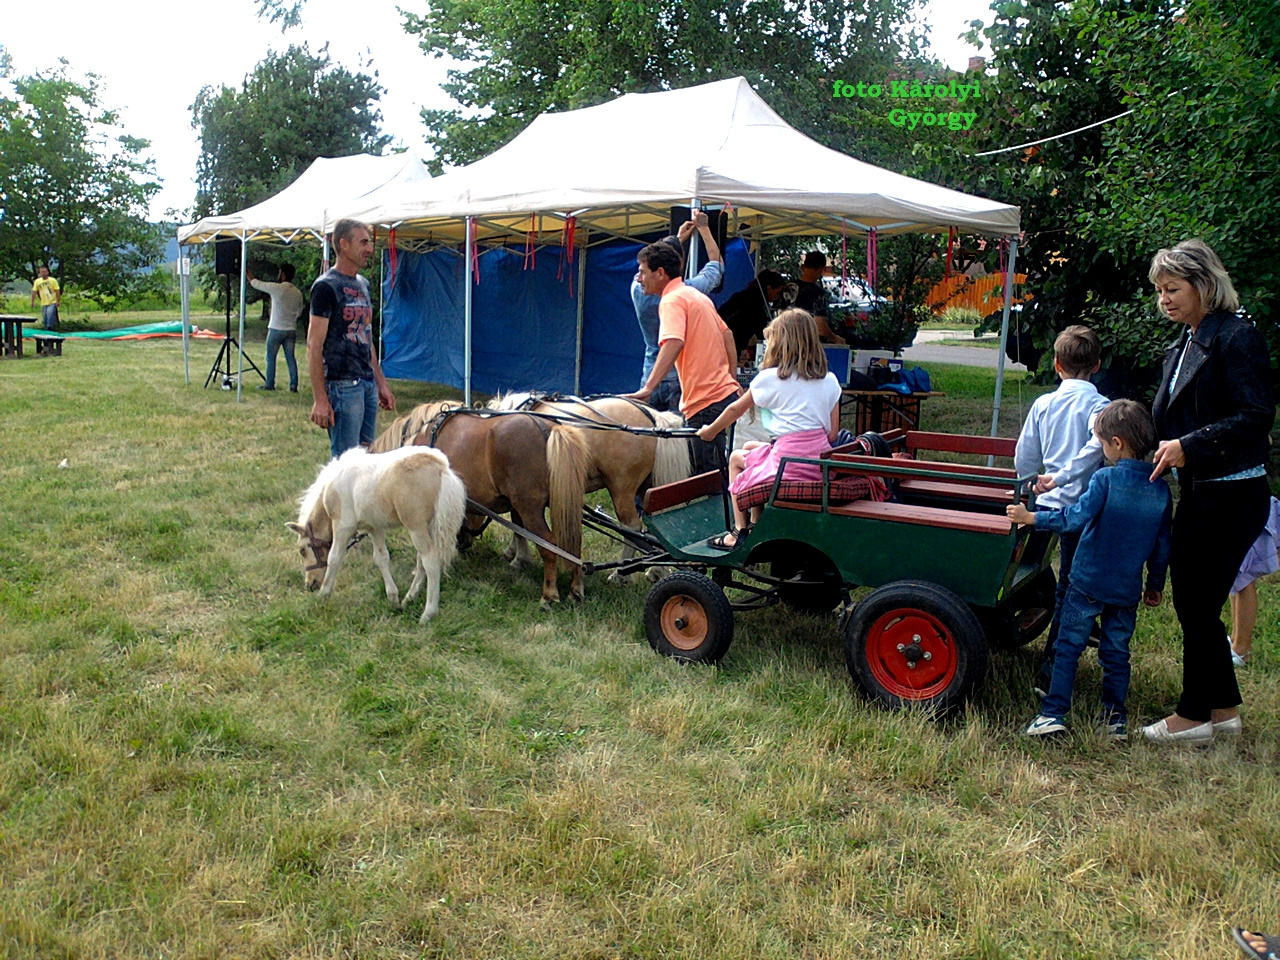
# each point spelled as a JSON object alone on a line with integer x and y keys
{"x": 688, "y": 617}
{"x": 915, "y": 642}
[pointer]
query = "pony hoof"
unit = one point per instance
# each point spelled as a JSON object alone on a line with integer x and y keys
{"x": 546, "y": 606}
{"x": 654, "y": 574}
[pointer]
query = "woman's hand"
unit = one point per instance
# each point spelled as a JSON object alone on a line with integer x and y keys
{"x": 1169, "y": 454}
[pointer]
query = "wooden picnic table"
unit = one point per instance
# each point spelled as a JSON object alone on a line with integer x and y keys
{"x": 11, "y": 334}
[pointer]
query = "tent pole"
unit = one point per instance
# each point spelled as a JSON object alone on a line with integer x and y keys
{"x": 466, "y": 312}
{"x": 244, "y": 266}
{"x": 382, "y": 301}
{"x": 185, "y": 295}
{"x": 691, "y": 267}
{"x": 582, "y": 286}
{"x": 1004, "y": 339}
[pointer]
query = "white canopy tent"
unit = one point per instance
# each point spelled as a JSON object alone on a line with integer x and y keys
{"x": 617, "y": 169}
{"x": 327, "y": 191}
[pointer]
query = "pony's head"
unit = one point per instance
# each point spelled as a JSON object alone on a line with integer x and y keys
{"x": 314, "y": 529}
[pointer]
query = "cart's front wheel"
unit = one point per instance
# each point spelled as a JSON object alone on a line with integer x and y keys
{"x": 688, "y": 617}
{"x": 916, "y": 642}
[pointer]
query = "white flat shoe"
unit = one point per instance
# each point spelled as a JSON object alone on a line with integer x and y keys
{"x": 1160, "y": 733}
{"x": 1228, "y": 728}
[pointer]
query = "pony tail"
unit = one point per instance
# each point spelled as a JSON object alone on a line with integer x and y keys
{"x": 446, "y": 520}
{"x": 567, "y": 464}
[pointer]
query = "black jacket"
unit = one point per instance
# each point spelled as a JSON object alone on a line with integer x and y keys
{"x": 1223, "y": 408}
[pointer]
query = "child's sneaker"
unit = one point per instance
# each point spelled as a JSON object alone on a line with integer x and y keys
{"x": 1043, "y": 726}
{"x": 1114, "y": 730}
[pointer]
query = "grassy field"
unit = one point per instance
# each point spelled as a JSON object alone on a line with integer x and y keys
{"x": 199, "y": 759}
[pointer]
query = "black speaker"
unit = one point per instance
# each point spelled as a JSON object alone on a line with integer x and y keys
{"x": 717, "y": 220}
{"x": 226, "y": 257}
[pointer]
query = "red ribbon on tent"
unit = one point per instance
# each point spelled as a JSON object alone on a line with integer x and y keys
{"x": 531, "y": 244}
{"x": 566, "y": 254}
{"x": 951, "y": 239}
{"x": 872, "y": 257}
{"x": 844, "y": 258}
{"x": 391, "y": 255}
{"x": 1004, "y": 254}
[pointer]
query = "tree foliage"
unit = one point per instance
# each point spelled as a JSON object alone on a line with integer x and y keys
{"x": 74, "y": 188}
{"x": 294, "y": 107}
{"x": 525, "y": 57}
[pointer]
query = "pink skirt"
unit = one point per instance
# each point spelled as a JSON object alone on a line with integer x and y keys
{"x": 763, "y": 462}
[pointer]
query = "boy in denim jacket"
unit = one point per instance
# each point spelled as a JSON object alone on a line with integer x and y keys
{"x": 1058, "y": 445}
{"x": 1124, "y": 521}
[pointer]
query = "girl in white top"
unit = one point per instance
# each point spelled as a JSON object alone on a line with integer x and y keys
{"x": 799, "y": 403}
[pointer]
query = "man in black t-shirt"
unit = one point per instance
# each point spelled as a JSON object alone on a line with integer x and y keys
{"x": 347, "y": 384}
{"x": 812, "y": 296}
{"x": 747, "y": 312}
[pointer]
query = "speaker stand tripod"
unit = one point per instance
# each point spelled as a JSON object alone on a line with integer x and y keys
{"x": 227, "y": 376}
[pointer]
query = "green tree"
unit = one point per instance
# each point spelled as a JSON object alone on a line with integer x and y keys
{"x": 1200, "y": 154}
{"x": 294, "y": 107}
{"x": 525, "y": 57}
{"x": 74, "y": 188}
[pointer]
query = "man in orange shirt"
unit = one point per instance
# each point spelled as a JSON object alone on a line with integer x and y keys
{"x": 691, "y": 336}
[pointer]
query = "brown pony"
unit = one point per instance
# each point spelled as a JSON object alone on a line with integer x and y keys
{"x": 625, "y": 464}
{"x": 509, "y": 463}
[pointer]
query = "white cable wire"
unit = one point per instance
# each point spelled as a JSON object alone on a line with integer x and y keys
{"x": 1056, "y": 136}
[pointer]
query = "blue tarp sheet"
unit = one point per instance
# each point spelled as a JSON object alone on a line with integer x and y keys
{"x": 524, "y": 322}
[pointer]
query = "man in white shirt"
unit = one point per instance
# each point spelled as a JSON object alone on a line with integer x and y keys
{"x": 282, "y": 330}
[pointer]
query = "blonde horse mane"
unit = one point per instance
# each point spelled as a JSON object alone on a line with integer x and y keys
{"x": 404, "y": 430}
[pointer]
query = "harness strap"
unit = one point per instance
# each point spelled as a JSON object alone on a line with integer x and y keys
{"x": 516, "y": 528}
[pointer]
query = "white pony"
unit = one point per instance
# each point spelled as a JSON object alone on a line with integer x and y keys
{"x": 411, "y": 487}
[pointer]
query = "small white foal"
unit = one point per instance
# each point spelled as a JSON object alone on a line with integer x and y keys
{"x": 410, "y": 487}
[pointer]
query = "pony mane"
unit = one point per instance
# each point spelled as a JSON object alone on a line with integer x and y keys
{"x": 404, "y": 429}
{"x": 509, "y": 401}
{"x": 307, "y": 502}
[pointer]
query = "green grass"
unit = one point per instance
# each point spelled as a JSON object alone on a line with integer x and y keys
{"x": 987, "y": 343}
{"x": 199, "y": 759}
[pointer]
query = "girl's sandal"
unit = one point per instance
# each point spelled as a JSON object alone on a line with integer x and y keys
{"x": 721, "y": 540}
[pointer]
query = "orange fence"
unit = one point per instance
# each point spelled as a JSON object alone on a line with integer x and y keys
{"x": 984, "y": 294}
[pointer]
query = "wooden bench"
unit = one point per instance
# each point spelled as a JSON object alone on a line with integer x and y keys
{"x": 11, "y": 335}
{"x": 908, "y": 513}
{"x": 47, "y": 344}
{"x": 955, "y": 491}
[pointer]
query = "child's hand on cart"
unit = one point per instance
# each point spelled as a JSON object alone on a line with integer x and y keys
{"x": 1020, "y": 515}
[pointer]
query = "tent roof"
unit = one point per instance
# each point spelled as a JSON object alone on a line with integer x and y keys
{"x": 620, "y": 166}
{"x": 325, "y": 192}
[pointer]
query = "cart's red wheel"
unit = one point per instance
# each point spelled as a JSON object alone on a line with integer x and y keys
{"x": 911, "y": 654}
{"x": 684, "y": 622}
{"x": 913, "y": 621}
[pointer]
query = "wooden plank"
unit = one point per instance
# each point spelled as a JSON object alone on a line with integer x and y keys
{"x": 865, "y": 465}
{"x": 682, "y": 491}
{"x": 955, "y": 491}
{"x": 960, "y": 443}
{"x": 924, "y": 516}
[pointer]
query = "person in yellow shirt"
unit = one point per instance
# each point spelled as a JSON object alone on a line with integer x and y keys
{"x": 46, "y": 287}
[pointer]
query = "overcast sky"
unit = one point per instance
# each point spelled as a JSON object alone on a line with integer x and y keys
{"x": 154, "y": 56}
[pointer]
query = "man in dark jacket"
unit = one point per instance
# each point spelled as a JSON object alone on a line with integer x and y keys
{"x": 748, "y": 311}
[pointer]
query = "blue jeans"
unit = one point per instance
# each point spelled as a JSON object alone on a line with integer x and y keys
{"x": 49, "y": 314}
{"x": 275, "y": 340}
{"x": 666, "y": 396}
{"x": 355, "y": 413}
{"x": 1078, "y": 613}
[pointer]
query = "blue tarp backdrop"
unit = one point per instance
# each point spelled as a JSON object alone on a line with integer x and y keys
{"x": 523, "y": 322}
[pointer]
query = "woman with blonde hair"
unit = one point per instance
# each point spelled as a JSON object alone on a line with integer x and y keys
{"x": 799, "y": 403}
{"x": 1213, "y": 413}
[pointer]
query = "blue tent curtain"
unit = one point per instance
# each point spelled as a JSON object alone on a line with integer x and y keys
{"x": 524, "y": 322}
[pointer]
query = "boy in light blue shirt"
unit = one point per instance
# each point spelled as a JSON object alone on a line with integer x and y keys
{"x": 1057, "y": 444}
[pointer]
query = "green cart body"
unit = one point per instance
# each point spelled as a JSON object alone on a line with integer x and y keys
{"x": 952, "y": 576}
